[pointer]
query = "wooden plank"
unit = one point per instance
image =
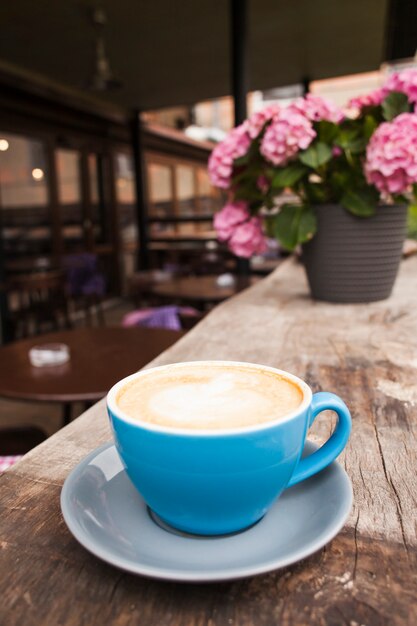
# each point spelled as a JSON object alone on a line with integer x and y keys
{"x": 367, "y": 575}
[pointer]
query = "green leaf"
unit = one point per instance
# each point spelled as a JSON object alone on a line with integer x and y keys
{"x": 394, "y": 104}
{"x": 269, "y": 224}
{"x": 347, "y": 137}
{"x": 294, "y": 224}
{"x": 412, "y": 221}
{"x": 316, "y": 193}
{"x": 243, "y": 160}
{"x": 286, "y": 226}
{"x": 357, "y": 145}
{"x": 360, "y": 203}
{"x": 369, "y": 126}
{"x": 308, "y": 225}
{"x": 326, "y": 131}
{"x": 288, "y": 176}
{"x": 341, "y": 180}
{"x": 246, "y": 191}
{"x": 316, "y": 154}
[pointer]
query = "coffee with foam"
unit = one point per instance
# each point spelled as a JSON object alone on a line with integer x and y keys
{"x": 209, "y": 397}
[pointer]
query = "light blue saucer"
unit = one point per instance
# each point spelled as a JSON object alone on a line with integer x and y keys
{"x": 109, "y": 518}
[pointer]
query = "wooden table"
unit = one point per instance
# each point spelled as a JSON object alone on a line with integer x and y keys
{"x": 366, "y": 575}
{"x": 28, "y": 265}
{"x": 99, "y": 358}
{"x": 263, "y": 267}
{"x": 198, "y": 289}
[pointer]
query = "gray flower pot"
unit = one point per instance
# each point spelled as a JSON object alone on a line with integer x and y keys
{"x": 353, "y": 259}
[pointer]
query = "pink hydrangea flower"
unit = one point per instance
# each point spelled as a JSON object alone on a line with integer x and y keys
{"x": 336, "y": 151}
{"x": 231, "y": 215}
{"x": 317, "y": 108}
{"x": 220, "y": 165}
{"x": 258, "y": 119}
{"x": 391, "y": 156}
{"x": 372, "y": 99}
{"x": 288, "y": 133}
{"x": 405, "y": 81}
{"x": 248, "y": 239}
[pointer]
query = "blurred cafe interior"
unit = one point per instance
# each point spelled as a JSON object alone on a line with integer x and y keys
{"x": 108, "y": 114}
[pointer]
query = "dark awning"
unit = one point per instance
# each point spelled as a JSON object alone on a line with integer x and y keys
{"x": 177, "y": 52}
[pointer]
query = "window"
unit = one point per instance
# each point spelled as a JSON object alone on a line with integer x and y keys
{"x": 161, "y": 191}
{"x": 99, "y": 198}
{"x": 24, "y": 196}
{"x": 126, "y": 198}
{"x": 209, "y": 197}
{"x": 180, "y": 197}
{"x": 161, "y": 198}
{"x": 68, "y": 166}
{"x": 186, "y": 191}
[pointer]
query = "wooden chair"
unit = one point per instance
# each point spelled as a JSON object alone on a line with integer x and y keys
{"x": 140, "y": 286}
{"x": 89, "y": 308}
{"x": 86, "y": 287}
{"x": 37, "y": 302}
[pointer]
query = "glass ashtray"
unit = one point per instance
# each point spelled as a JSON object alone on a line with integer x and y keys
{"x": 49, "y": 354}
{"x": 225, "y": 280}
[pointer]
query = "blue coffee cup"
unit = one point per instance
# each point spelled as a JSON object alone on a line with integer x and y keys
{"x": 215, "y": 482}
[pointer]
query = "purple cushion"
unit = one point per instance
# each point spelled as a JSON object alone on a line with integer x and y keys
{"x": 159, "y": 317}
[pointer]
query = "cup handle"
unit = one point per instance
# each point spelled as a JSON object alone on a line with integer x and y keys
{"x": 320, "y": 459}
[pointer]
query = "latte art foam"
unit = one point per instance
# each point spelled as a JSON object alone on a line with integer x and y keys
{"x": 209, "y": 397}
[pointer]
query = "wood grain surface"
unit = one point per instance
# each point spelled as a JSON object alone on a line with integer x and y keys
{"x": 365, "y": 576}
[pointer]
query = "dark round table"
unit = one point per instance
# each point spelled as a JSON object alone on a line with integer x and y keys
{"x": 99, "y": 358}
{"x": 200, "y": 289}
